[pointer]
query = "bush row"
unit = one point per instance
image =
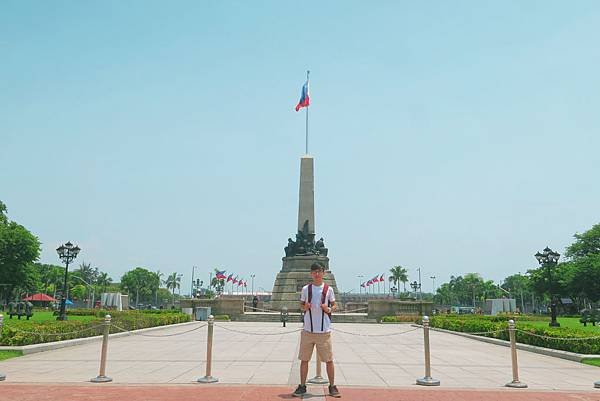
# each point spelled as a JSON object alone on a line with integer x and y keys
{"x": 103, "y": 312}
{"x": 26, "y": 333}
{"x": 557, "y": 335}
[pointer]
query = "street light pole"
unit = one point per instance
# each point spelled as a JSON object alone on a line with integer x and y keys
{"x": 433, "y": 289}
{"x": 548, "y": 259}
{"x": 360, "y": 276}
{"x": 252, "y": 277}
{"x": 67, "y": 253}
{"x": 90, "y": 286}
{"x": 420, "y": 293}
{"x": 192, "y": 286}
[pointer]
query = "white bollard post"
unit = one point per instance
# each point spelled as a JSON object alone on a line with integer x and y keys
{"x": 427, "y": 380}
{"x": 209, "y": 341}
{"x": 2, "y": 376}
{"x": 318, "y": 379}
{"x": 515, "y": 383}
{"x": 102, "y": 378}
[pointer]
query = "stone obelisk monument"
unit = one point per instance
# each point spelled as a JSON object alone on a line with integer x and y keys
{"x": 304, "y": 251}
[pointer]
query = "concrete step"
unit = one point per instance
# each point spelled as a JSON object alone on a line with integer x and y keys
{"x": 296, "y": 317}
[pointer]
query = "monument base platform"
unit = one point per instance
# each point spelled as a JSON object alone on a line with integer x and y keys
{"x": 294, "y": 275}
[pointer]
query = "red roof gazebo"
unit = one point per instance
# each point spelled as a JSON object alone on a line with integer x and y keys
{"x": 40, "y": 297}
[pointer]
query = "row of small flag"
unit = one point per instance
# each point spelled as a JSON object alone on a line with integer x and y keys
{"x": 240, "y": 282}
{"x": 376, "y": 279}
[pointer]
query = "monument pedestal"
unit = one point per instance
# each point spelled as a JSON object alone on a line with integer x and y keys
{"x": 294, "y": 275}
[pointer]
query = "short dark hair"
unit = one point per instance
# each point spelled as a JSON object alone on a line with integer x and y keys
{"x": 317, "y": 266}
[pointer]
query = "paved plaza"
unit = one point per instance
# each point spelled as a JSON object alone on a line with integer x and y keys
{"x": 386, "y": 356}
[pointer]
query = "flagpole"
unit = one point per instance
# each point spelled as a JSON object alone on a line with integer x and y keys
{"x": 307, "y": 75}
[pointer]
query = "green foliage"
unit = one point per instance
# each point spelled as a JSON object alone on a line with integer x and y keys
{"x": 140, "y": 283}
{"x": 18, "y": 250}
{"x": 9, "y": 354}
{"x": 591, "y": 361}
{"x": 556, "y": 340}
{"x": 585, "y": 244}
{"x": 222, "y": 317}
{"x": 217, "y": 283}
{"x": 22, "y": 332}
{"x": 399, "y": 319}
{"x": 466, "y": 290}
{"x": 398, "y": 274}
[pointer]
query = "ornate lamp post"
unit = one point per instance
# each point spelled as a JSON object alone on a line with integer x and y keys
{"x": 415, "y": 286}
{"x": 548, "y": 259}
{"x": 66, "y": 253}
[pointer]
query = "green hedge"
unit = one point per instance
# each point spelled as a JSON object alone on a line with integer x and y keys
{"x": 475, "y": 324}
{"x": 400, "y": 319}
{"x": 26, "y": 333}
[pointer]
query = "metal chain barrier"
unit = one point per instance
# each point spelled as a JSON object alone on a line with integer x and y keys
{"x": 133, "y": 333}
{"x": 257, "y": 334}
{"x": 375, "y": 335}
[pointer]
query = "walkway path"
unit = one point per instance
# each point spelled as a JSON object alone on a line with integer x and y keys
{"x": 383, "y": 356}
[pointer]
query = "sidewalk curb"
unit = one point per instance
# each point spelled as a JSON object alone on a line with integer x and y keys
{"x": 571, "y": 356}
{"x": 35, "y": 348}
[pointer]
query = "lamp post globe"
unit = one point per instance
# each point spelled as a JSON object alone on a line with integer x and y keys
{"x": 548, "y": 259}
{"x": 67, "y": 253}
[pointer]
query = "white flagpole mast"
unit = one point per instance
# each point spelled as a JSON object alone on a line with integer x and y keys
{"x": 307, "y": 92}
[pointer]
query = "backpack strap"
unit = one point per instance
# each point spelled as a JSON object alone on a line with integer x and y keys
{"x": 323, "y": 297}
{"x": 310, "y": 307}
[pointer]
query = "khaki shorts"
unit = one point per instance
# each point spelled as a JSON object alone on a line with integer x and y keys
{"x": 321, "y": 340}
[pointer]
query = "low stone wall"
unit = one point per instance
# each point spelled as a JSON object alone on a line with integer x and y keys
{"x": 219, "y": 306}
{"x": 386, "y": 307}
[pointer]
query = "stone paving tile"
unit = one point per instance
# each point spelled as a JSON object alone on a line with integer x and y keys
{"x": 387, "y": 361}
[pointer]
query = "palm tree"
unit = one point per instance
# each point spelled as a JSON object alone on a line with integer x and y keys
{"x": 399, "y": 274}
{"x": 103, "y": 281}
{"x": 173, "y": 282}
{"x": 159, "y": 276}
{"x": 87, "y": 272}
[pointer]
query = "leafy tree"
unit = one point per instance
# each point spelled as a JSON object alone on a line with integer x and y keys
{"x": 398, "y": 274}
{"x": 18, "y": 250}
{"x": 140, "y": 281}
{"x": 585, "y": 244}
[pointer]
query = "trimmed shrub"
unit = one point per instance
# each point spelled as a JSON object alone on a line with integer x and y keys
{"x": 26, "y": 333}
{"x": 556, "y": 337}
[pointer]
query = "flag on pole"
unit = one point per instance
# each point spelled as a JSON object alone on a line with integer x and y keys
{"x": 304, "y": 97}
{"x": 240, "y": 283}
{"x": 381, "y": 278}
{"x": 221, "y": 275}
{"x": 375, "y": 279}
{"x": 369, "y": 282}
{"x": 363, "y": 285}
{"x": 229, "y": 278}
{"x": 235, "y": 280}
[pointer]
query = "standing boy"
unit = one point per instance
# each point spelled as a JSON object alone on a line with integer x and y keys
{"x": 317, "y": 301}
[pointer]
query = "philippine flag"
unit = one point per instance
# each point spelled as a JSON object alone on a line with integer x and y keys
{"x": 221, "y": 275}
{"x": 229, "y": 278}
{"x": 304, "y": 97}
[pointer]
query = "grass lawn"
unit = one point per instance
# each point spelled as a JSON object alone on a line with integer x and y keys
{"x": 570, "y": 322}
{"x": 592, "y": 361}
{"x": 44, "y": 316}
{"x": 9, "y": 354}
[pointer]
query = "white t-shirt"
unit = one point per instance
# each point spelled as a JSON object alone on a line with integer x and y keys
{"x": 315, "y": 309}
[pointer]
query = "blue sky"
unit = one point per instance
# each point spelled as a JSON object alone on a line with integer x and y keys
{"x": 452, "y": 136}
